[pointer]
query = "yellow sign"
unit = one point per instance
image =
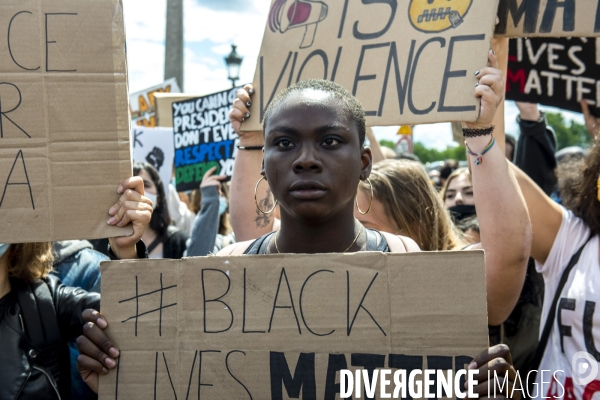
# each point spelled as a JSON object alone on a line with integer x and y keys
{"x": 438, "y": 15}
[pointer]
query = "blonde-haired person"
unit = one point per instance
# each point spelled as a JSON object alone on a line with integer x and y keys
{"x": 39, "y": 316}
{"x": 405, "y": 202}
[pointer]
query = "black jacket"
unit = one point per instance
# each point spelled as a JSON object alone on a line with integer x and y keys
{"x": 28, "y": 371}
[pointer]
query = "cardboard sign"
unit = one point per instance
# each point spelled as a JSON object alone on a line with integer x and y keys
{"x": 164, "y": 108}
{"x": 555, "y": 72}
{"x": 408, "y": 62}
{"x": 142, "y": 105}
{"x": 155, "y": 147}
{"x": 64, "y": 125}
{"x": 548, "y": 18}
{"x": 204, "y": 138}
{"x": 269, "y": 327}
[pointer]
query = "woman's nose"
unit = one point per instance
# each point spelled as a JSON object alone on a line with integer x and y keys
{"x": 307, "y": 161}
{"x": 458, "y": 199}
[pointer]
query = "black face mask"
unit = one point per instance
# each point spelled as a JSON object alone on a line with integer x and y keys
{"x": 462, "y": 211}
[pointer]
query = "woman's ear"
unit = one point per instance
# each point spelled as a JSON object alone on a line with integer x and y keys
{"x": 262, "y": 168}
{"x": 366, "y": 159}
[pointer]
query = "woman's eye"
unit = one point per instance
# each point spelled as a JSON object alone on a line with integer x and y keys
{"x": 468, "y": 193}
{"x": 331, "y": 141}
{"x": 284, "y": 143}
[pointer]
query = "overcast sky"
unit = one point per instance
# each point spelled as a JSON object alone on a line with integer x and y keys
{"x": 211, "y": 26}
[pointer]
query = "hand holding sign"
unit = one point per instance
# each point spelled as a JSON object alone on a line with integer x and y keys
{"x": 133, "y": 207}
{"x": 496, "y": 361}
{"x": 490, "y": 90}
{"x": 212, "y": 180}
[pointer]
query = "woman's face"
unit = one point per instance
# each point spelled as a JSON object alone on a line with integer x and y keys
{"x": 460, "y": 192}
{"x": 149, "y": 186}
{"x": 313, "y": 159}
{"x": 376, "y": 218}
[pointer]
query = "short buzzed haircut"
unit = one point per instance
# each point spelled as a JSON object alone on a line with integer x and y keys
{"x": 353, "y": 107}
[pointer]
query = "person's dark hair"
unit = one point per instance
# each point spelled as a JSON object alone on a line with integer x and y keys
{"x": 160, "y": 216}
{"x": 511, "y": 140}
{"x": 353, "y": 107}
{"x": 449, "y": 167}
{"x": 585, "y": 194}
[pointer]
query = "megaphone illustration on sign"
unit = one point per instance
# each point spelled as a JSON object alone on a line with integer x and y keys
{"x": 290, "y": 14}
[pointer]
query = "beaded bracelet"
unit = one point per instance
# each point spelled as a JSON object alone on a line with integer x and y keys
{"x": 479, "y": 156}
{"x": 471, "y": 133}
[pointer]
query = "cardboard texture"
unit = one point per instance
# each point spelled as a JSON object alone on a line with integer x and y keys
{"x": 204, "y": 138}
{"x": 407, "y": 62}
{"x": 142, "y": 105}
{"x": 155, "y": 146}
{"x": 556, "y": 72}
{"x": 548, "y": 18}
{"x": 64, "y": 125}
{"x": 164, "y": 109}
{"x": 232, "y": 327}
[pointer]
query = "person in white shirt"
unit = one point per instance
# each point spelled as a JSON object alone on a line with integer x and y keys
{"x": 569, "y": 362}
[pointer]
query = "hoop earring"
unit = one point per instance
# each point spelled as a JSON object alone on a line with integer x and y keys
{"x": 256, "y": 200}
{"x": 370, "y": 204}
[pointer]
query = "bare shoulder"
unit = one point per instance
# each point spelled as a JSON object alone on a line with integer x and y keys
{"x": 235, "y": 249}
{"x": 400, "y": 244}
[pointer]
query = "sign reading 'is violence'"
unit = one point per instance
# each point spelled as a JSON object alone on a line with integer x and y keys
{"x": 64, "y": 125}
{"x": 283, "y": 326}
{"x": 408, "y": 62}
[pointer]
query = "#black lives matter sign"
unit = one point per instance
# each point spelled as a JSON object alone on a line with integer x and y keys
{"x": 204, "y": 138}
{"x": 556, "y": 72}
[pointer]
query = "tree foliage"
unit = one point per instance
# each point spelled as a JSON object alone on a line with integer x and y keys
{"x": 429, "y": 155}
{"x": 568, "y": 133}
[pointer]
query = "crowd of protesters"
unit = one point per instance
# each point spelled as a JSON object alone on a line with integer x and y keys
{"x": 315, "y": 189}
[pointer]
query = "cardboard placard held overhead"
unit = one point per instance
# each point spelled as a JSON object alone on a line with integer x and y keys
{"x": 204, "y": 138}
{"x": 548, "y": 18}
{"x": 64, "y": 131}
{"x": 142, "y": 105}
{"x": 164, "y": 110}
{"x": 155, "y": 147}
{"x": 408, "y": 62}
{"x": 556, "y": 72}
{"x": 270, "y": 327}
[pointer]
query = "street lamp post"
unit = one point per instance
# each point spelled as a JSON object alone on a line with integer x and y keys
{"x": 233, "y": 61}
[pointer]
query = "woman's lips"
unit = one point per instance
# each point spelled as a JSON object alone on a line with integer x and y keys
{"x": 308, "y": 194}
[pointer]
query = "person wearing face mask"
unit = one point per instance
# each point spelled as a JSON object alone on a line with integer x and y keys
{"x": 457, "y": 194}
{"x": 211, "y": 231}
{"x": 162, "y": 239}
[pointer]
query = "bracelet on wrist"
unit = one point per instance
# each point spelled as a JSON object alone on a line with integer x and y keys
{"x": 471, "y": 133}
{"x": 250, "y": 147}
{"x": 479, "y": 156}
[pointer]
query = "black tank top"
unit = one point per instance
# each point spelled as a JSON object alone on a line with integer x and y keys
{"x": 375, "y": 242}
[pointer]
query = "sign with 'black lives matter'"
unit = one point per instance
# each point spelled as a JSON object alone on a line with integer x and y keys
{"x": 204, "y": 138}
{"x": 556, "y": 72}
{"x": 408, "y": 62}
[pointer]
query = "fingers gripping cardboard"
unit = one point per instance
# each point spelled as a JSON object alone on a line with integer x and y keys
{"x": 64, "y": 125}
{"x": 274, "y": 326}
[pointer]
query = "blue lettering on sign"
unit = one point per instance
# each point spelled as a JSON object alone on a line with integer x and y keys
{"x": 203, "y": 152}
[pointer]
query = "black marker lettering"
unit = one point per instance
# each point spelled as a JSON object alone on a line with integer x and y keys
{"x": 370, "y": 362}
{"x": 4, "y": 112}
{"x": 200, "y": 384}
{"x": 443, "y": 363}
{"x": 529, "y": 8}
{"x": 281, "y": 277}
{"x": 409, "y": 363}
{"x": 597, "y": 23}
{"x": 411, "y": 84}
{"x": 449, "y": 74}
{"x": 337, "y": 362}
{"x": 231, "y": 374}
{"x": 368, "y": 36}
{"x": 358, "y": 77}
{"x": 10, "y": 47}
{"x": 550, "y": 12}
{"x": 263, "y": 106}
{"x": 401, "y": 85}
{"x": 360, "y": 305}
{"x": 323, "y": 56}
{"x": 54, "y": 42}
{"x": 303, "y": 379}
{"x": 301, "y": 309}
{"x": 217, "y": 299}
{"x": 292, "y": 70}
{"x": 336, "y": 64}
{"x": 343, "y": 20}
{"x": 244, "y": 310}
{"x": 8, "y": 182}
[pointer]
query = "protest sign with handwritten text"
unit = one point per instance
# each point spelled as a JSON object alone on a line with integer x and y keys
{"x": 408, "y": 62}
{"x": 548, "y": 18}
{"x": 271, "y": 327}
{"x": 204, "y": 138}
{"x": 64, "y": 122}
{"x": 142, "y": 105}
{"x": 155, "y": 147}
{"x": 556, "y": 72}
